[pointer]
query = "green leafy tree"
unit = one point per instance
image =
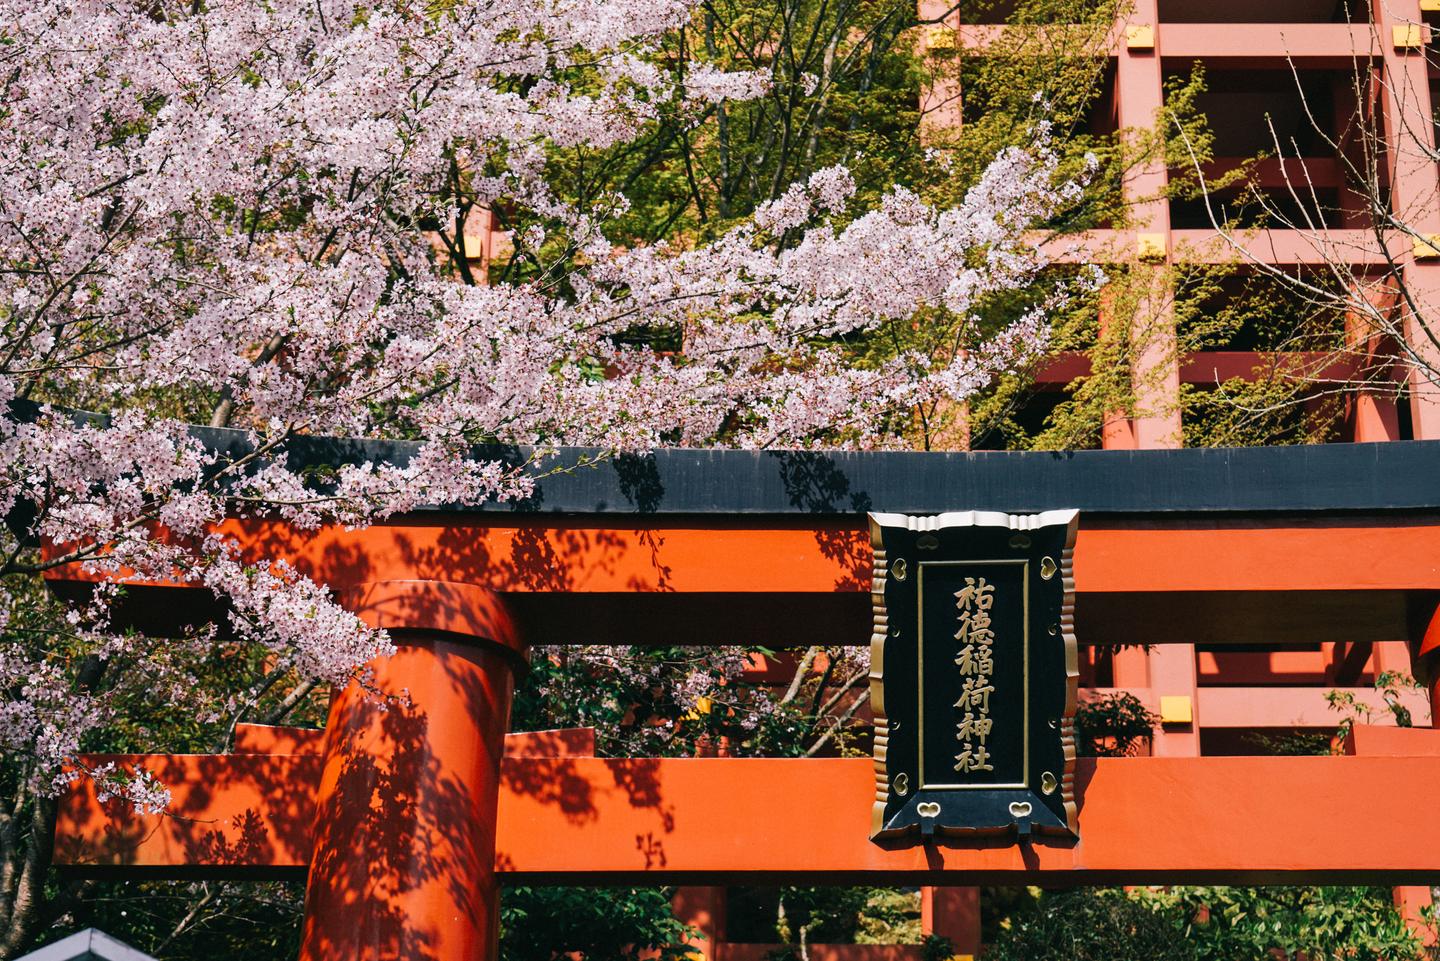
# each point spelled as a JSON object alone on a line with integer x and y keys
{"x": 1091, "y": 924}
{"x": 1113, "y": 724}
{"x": 598, "y": 924}
{"x": 1391, "y": 686}
{"x": 1316, "y": 923}
{"x": 1205, "y": 924}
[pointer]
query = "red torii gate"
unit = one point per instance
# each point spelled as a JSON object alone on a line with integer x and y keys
{"x": 407, "y": 819}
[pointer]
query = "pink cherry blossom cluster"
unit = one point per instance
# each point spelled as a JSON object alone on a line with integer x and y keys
{"x": 228, "y": 213}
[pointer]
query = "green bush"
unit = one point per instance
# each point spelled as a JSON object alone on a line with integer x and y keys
{"x": 1112, "y": 725}
{"x": 1323, "y": 923}
{"x": 598, "y": 924}
{"x": 1090, "y": 924}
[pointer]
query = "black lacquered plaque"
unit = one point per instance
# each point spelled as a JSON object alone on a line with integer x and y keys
{"x": 973, "y": 673}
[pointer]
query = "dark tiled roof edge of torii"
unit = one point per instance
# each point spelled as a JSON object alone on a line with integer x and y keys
{"x": 1393, "y": 476}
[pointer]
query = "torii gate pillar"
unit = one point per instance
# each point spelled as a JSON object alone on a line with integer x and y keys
{"x": 404, "y": 856}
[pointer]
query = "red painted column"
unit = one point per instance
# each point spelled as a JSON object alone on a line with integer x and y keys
{"x": 1157, "y": 424}
{"x": 1425, "y": 664}
{"x": 1139, "y": 96}
{"x": 953, "y": 913}
{"x": 703, "y": 908}
{"x": 940, "y": 97}
{"x": 1411, "y": 901}
{"x": 1117, "y": 432}
{"x": 1173, "y": 675}
{"x": 404, "y": 857}
{"x": 1415, "y": 186}
{"x": 1372, "y": 415}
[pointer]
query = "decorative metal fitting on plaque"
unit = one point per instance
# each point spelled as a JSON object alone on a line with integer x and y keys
{"x": 973, "y": 671}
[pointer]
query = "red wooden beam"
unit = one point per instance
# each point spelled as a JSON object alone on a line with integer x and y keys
{"x": 653, "y": 821}
{"x": 1202, "y": 246}
{"x": 1351, "y": 661}
{"x": 1281, "y": 172}
{"x": 1255, "y": 44}
{"x": 776, "y": 555}
{"x": 273, "y": 739}
{"x": 1252, "y": 707}
{"x": 1217, "y": 366}
{"x": 1270, "y": 45}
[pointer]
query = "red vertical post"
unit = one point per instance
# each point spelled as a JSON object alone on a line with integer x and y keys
{"x": 1157, "y": 423}
{"x": 940, "y": 98}
{"x": 703, "y": 908}
{"x": 1173, "y": 678}
{"x": 1411, "y": 901}
{"x": 1139, "y": 93}
{"x": 1131, "y": 668}
{"x": 404, "y": 856}
{"x": 1371, "y": 415}
{"x": 1117, "y": 432}
{"x": 1415, "y": 193}
{"x": 1425, "y": 662}
{"x": 953, "y": 913}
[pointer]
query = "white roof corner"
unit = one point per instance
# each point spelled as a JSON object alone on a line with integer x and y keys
{"x": 88, "y": 945}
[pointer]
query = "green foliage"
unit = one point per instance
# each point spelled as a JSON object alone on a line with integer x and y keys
{"x": 1205, "y": 924}
{"x": 1064, "y": 71}
{"x": 937, "y": 948}
{"x": 1391, "y": 685}
{"x": 845, "y": 88}
{"x": 177, "y": 920}
{"x": 797, "y": 917}
{"x": 892, "y": 916}
{"x": 1112, "y": 725}
{"x": 1091, "y": 924}
{"x": 680, "y": 701}
{"x": 1291, "y": 744}
{"x": 1290, "y": 397}
{"x": 820, "y": 915}
{"x": 1320, "y": 923}
{"x": 1024, "y": 75}
{"x": 628, "y": 703}
{"x": 1297, "y": 400}
{"x": 1185, "y": 140}
{"x": 595, "y": 924}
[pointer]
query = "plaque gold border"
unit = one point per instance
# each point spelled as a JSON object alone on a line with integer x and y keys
{"x": 921, "y": 785}
{"x": 880, "y": 632}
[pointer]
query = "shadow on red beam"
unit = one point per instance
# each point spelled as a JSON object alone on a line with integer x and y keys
{"x": 275, "y": 739}
{"x": 778, "y": 556}
{"x": 715, "y": 821}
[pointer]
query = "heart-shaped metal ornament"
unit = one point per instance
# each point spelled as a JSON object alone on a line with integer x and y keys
{"x": 928, "y": 809}
{"x": 1021, "y": 809}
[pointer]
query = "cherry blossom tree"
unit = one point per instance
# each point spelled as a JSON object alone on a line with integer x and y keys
{"x": 252, "y": 216}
